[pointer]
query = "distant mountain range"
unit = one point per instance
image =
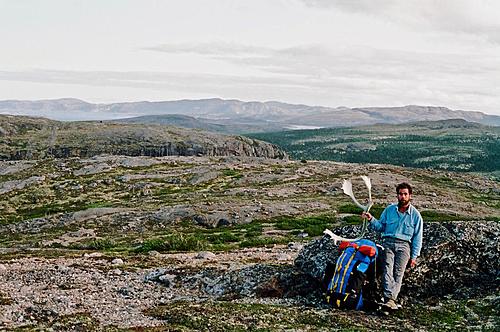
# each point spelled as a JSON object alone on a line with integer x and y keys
{"x": 234, "y": 116}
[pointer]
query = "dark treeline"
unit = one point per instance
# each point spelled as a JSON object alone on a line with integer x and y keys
{"x": 470, "y": 150}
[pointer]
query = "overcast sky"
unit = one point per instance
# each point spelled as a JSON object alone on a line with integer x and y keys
{"x": 316, "y": 52}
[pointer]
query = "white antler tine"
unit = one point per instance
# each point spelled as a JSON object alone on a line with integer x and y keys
{"x": 368, "y": 184}
{"x": 347, "y": 188}
{"x": 335, "y": 238}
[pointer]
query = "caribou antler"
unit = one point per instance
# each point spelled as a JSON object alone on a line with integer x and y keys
{"x": 347, "y": 188}
{"x": 335, "y": 237}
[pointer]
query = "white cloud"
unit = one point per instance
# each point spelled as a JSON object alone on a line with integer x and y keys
{"x": 210, "y": 49}
{"x": 317, "y": 65}
{"x": 311, "y": 74}
{"x": 475, "y": 17}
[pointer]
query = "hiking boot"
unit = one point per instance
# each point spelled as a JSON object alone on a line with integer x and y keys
{"x": 390, "y": 304}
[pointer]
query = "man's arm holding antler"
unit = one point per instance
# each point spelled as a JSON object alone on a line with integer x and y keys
{"x": 375, "y": 224}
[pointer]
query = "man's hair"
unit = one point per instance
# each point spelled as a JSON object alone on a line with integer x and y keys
{"x": 404, "y": 185}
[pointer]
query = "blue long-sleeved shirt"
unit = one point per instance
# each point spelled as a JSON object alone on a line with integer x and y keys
{"x": 407, "y": 226}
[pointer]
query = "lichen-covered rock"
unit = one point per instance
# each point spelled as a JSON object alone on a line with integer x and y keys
{"x": 253, "y": 281}
{"x": 457, "y": 258}
{"x": 155, "y": 274}
{"x": 8, "y": 186}
{"x": 461, "y": 258}
{"x": 263, "y": 281}
{"x": 243, "y": 282}
{"x": 13, "y": 167}
{"x": 205, "y": 255}
{"x": 317, "y": 254}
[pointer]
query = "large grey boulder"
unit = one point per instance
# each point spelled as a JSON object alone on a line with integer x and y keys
{"x": 278, "y": 281}
{"x": 317, "y": 254}
{"x": 458, "y": 258}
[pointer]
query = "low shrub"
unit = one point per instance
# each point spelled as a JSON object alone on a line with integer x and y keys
{"x": 221, "y": 238}
{"x": 175, "y": 242}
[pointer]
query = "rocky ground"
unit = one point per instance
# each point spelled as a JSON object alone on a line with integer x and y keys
{"x": 113, "y": 290}
{"x": 227, "y": 243}
{"x": 256, "y": 289}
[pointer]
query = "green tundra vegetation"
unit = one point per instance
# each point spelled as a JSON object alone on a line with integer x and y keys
{"x": 265, "y": 203}
{"x": 454, "y": 145}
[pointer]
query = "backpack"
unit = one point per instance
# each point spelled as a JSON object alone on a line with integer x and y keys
{"x": 353, "y": 276}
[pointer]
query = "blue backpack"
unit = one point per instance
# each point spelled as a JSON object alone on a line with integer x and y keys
{"x": 353, "y": 275}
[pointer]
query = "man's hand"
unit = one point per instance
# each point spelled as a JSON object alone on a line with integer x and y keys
{"x": 366, "y": 215}
{"x": 412, "y": 263}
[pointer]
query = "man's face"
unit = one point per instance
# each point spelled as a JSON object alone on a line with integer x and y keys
{"x": 404, "y": 197}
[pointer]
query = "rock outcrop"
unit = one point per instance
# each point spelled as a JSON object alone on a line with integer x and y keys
{"x": 31, "y": 138}
{"x": 458, "y": 258}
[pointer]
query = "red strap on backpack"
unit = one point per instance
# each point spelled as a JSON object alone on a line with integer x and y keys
{"x": 367, "y": 250}
{"x": 343, "y": 245}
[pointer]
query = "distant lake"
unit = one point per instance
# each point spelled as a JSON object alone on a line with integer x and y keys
{"x": 299, "y": 127}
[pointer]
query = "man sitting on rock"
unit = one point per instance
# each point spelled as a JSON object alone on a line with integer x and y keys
{"x": 401, "y": 226}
